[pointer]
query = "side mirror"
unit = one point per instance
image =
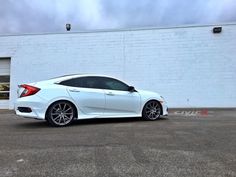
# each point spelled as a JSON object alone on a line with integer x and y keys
{"x": 131, "y": 89}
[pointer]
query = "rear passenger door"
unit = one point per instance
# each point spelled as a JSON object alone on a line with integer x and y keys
{"x": 88, "y": 97}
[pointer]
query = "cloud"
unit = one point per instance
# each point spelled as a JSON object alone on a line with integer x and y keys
{"x": 33, "y": 16}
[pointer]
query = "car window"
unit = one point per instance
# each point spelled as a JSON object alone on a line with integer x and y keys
{"x": 113, "y": 84}
{"x": 97, "y": 83}
{"x": 89, "y": 82}
{"x": 71, "y": 82}
{"x": 85, "y": 82}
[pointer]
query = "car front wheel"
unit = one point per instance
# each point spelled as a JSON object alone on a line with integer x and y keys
{"x": 60, "y": 113}
{"x": 151, "y": 110}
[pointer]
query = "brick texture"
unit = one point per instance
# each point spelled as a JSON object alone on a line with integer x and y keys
{"x": 189, "y": 66}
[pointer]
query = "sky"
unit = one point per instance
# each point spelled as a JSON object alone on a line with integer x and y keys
{"x": 40, "y": 16}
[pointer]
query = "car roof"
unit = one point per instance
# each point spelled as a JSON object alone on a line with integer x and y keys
{"x": 71, "y": 76}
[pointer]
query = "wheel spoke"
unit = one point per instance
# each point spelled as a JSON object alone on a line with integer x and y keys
{"x": 149, "y": 106}
{"x": 67, "y": 109}
{"x": 60, "y": 107}
{"x": 57, "y": 117}
{"x": 155, "y": 114}
{"x": 63, "y": 119}
{"x": 152, "y": 115}
{"x": 64, "y": 107}
{"x": 56, "y": 109}
{"x": 67, "y": 118}
{"x": 153, "y": 104}
{"x": 56, "y": 113}
{"x": 68, "y": 114}
{"x": 59, "y": 120}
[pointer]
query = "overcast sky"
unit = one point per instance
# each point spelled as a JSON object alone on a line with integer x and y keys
{"x": 37, "y": 16}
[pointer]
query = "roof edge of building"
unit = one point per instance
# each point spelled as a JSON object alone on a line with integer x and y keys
{"x": 119, "y": 30}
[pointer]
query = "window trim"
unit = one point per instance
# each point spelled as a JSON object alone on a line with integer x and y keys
{"x": 99, "y": 77}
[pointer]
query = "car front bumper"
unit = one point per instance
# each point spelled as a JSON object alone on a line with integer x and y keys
{"x": 164, "y": 109}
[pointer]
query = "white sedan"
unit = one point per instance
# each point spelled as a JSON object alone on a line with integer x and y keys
{"x": 64, "y": 99}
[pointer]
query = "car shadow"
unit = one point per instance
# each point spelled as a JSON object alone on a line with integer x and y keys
{"x": 111, "y": 121}
{"x": 34, "y": 125}
{"x": 44, "y": 124}
{"x": 106, "y": 121}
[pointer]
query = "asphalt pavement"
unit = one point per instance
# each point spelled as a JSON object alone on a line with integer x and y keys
{"x": 187, "y": 143}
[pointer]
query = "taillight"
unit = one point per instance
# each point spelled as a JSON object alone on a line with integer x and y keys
{"x": 28, "y": 90}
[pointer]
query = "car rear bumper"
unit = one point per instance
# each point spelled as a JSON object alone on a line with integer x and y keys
{"x": 30, "y": 107}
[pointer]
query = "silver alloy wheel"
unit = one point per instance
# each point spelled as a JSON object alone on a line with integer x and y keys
{"x": 62, "y": 113}
{"x": 152, "y": 110}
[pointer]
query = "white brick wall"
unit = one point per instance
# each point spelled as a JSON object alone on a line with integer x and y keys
{"x": 189, "y": 66}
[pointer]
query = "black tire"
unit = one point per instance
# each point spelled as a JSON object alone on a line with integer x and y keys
{"x": 152, "y": 110}
{"x": 61, "y": 113}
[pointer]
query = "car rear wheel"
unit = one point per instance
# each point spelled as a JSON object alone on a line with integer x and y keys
{"x": 151, "y": 110}
{"x": 61, "y": 113}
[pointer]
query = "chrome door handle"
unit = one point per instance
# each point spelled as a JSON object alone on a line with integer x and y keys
{"x": 74, "y": 90}
{"x": 110, "y": 94}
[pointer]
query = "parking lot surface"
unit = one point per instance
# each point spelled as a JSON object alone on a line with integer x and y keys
{"x": 186, "y": 143}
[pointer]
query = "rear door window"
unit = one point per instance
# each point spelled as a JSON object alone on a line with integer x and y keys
{"x": 84, "y": 82}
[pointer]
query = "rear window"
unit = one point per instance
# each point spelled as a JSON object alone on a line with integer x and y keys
{"x": 85, "y": 82}
{"x": 72, "y": 82}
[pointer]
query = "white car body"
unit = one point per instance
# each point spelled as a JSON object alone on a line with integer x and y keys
{"x": 89, "y": 102}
